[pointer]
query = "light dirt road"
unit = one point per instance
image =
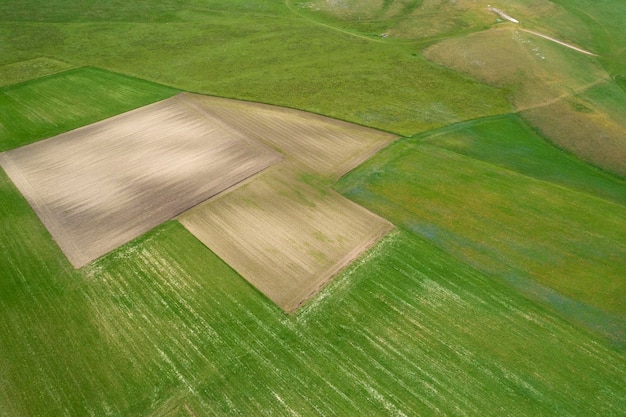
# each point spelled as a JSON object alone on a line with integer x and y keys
{"x": 567, "y": 45}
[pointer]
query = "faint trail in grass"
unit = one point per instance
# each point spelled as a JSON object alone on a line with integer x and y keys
{"x": 560, "y": 97}
{"x": 347, "y": 32}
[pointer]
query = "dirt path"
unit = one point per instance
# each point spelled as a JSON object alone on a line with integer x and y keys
{"x": 559, "y": 42}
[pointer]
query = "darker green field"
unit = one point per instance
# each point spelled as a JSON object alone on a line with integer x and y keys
{"x": 51, "y": 105}
{"x": 506, "y": 141}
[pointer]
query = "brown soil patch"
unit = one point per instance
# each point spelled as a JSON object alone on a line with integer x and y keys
{"x": 102, "y": 185}
{"x": 286, "y": 238}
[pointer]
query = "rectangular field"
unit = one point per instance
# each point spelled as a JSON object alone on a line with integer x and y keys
{"x": 286, "y": 238}
{"x": 102, "y": 185}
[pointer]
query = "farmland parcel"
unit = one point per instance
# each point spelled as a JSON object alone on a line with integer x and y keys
{"x": 163, "y": 327}
{"x": 286, "y": 232}
{"x": 102, "y": 185}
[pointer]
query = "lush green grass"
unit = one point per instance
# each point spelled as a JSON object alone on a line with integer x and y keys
{"x": 51, "y": 105}
{"x": 163, "y": 327}
{"x": 508, "y": 142}
{"x": 257, "y": 50}
{"x": 503, "y": 222}
{"x": 605, "y": 24}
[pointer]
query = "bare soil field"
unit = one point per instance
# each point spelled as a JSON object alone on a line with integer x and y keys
{"x": 286, "y": 238}
{"x": 98, "y": 187}
{"x": 316, "y": 144}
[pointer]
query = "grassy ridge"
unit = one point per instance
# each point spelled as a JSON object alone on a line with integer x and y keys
{"x": 562, "y": 93}
{"x": 51, "y": 105}
{"x": 503, "y": 222}
{"x": 163, "y": 327}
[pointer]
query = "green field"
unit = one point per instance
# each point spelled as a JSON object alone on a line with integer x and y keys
{"x": 48, "y": 106}
{"x": 502, "y": 291}
{"x": 163, "y": 327}
{"x": 258, "y": 50}
{"x": 498, "y": 197}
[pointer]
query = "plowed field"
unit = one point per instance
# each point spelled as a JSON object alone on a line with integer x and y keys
{"x": 100, "y": 186}
{"x": 285, "y": 231}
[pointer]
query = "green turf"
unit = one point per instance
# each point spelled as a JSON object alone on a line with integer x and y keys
{"x": 258, "y": 51}
{"x": 605, "y": 24}
{"x": 51, "y": 105}
{"x": 502, "y": 222}
{"x": 508, "y": 142}
{"x": 163, "y": 327}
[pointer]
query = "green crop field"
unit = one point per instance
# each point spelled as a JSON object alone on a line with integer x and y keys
{"x": 162, "y": 327}
{"x": 48, "y": 106}
{"x": 501, "y": 292}
{"x": 498, "y": 197}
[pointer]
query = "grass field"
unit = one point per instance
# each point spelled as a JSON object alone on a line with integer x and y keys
{"x": 563, "y": 93}
{"x": 258, "y": 50}
{"x": 524, "y": 225}
{"x": 500, "y": 292}
{"x": 31, "y": 69}
{"x": 163, "y": 327}
{"x": 508, "y": 142}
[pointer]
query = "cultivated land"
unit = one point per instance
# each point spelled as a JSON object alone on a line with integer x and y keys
{"x": 286, "y": 238}
{"x": 286, "y": 232}
{"x": 100, "y": 186}
{"x": 425, "y": 322}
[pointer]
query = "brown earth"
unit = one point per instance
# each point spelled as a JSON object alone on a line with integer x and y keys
{"x": 100, "y": 186}
{"x": 285, "y": 230}
{"x": 286, "y": 238}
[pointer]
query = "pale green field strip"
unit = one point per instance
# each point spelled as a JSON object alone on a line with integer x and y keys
{"x": 51, "y": 105}
{"x": 102, "y": 185}
{"x": 21, "y": 71}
